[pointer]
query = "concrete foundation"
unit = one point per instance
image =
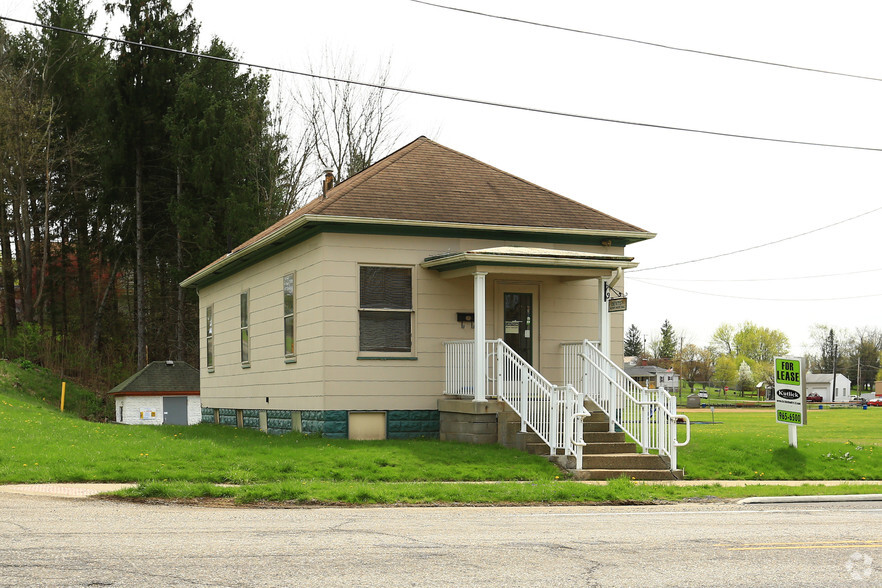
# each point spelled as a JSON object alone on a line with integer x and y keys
{"x": 468, "y": 421}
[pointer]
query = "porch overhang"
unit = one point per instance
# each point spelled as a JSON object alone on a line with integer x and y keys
{"x": 528, "y": 260}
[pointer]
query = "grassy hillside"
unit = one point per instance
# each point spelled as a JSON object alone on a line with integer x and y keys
{"x": 22, "y": 377}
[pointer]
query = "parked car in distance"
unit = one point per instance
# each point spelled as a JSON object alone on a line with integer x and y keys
{"x": 702, "y": 393}
{"x": 813, "y": 397}
{"x": 875, "y": 402}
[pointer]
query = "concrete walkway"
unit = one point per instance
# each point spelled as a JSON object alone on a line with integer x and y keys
{"x": 64, "y": 490}
{"x": 85, "y": 490}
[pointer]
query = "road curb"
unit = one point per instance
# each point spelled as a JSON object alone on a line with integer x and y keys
{"x": 815, "y": 498}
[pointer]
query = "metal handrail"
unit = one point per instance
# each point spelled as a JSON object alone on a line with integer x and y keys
{"x": 550, "y": 411}
{"x": 649, "y": 417}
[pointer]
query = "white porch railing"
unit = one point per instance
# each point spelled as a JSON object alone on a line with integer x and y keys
{"x": 648, "y": 416}
{"x": 554, "y": 413}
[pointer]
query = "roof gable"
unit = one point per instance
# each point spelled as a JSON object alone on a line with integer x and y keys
{"x": 161, "y": 376}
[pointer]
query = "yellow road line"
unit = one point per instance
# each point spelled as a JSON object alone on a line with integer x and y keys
{"x": 862, "y": 541}
{"x": 816, "y": 545}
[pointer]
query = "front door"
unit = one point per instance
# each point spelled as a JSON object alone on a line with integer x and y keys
{"x": 519, "y": 320}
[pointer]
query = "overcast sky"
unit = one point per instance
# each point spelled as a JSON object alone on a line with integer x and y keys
{"x": 703, "y": 195}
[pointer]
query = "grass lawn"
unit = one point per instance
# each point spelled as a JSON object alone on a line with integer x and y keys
{"x": 40, "y": 444}
{"x": 837, "y": 444}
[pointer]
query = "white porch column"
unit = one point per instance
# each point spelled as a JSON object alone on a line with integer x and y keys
{"x": 603, "y": 317}
{"x": 479, "y": 380}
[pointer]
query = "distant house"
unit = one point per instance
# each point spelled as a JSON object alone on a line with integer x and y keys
{"x": 365, "y": 314}
{"x": 163, "y": 393}
{"x": 821, "y": 384}
{"x": 654, "y": 377}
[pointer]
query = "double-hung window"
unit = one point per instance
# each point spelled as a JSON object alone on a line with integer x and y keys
{"x": 245, "y": 341}
{"x": 385, "y": 313}
{"x": 288, "y": 316}
{"x": 209, "y": 337}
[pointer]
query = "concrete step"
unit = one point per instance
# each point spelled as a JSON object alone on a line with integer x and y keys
{"x": 603, "y": 437}
{"x": 630, "y": 474}
{"x": 626, "y": 461}
{"x": 537, "y": 448}
{"x": 595, "y": 426}
{"x": 609, "y": 447}
{"x": 615, "y": 461}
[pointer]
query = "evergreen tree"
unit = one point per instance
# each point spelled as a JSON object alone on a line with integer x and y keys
{"x": 829, "y": 354}
{"x": 633, "y": 342}
{"x": 667, "y": 347}
{"x": 146, "y": 177}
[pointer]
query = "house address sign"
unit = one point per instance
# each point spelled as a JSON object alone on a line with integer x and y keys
{"x": 618, "y": 304}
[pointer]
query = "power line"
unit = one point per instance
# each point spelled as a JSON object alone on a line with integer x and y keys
{"x": 428, "y": 94}
{"x": 787, "y": 279}
{"x": 757, "y": 246}
{"x": 648, "y": 43}
{"x": 714, "y": 294}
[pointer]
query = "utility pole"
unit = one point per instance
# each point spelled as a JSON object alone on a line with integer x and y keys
{"x": 859, "y": 370}
{"x": 833, "y": 381}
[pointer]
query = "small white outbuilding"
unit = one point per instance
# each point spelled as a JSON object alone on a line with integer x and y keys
{"x": 163, "y": 393}
{"x": 821, "y": 384}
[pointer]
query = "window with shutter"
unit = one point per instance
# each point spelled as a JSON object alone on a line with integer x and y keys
{"x": 385, "y": 313}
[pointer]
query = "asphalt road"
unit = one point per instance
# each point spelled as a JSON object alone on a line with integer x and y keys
{"x": 76, "y": 542}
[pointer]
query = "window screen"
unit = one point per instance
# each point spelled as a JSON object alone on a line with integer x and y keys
{"x": 385, "y": 308}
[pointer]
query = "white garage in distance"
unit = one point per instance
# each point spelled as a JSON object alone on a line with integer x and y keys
{"x": 163, "y": 393}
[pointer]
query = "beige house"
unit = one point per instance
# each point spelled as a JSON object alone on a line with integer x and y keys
{"x": 338, "y": 318}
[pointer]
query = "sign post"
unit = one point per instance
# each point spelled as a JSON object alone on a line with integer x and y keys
{"x": 790, "y": 405}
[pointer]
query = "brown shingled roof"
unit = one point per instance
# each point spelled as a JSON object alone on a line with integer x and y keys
{"x": 428, "y": 182}
{"x": 425, "y": 181}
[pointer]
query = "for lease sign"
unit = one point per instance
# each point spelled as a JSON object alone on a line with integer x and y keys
{"x": 790, "y": 391}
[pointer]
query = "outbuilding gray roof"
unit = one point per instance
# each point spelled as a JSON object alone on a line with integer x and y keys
{"x": 162, "y": 376}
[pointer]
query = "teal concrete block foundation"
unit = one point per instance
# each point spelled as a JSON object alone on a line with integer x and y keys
{"x": 413, "y": 424}
{"x": 278, "y": 422}
{"x": 333, "y": 424}
{"x": 228, "y": 416}
{"x": 251, "y": 419}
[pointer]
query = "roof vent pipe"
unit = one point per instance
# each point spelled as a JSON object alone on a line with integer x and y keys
{"x": 328, "y": 183}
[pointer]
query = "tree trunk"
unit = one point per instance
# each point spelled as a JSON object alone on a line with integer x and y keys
{"x": 83, "y": 256}
{"x": 45, "y": 261}
{"x": 22, "y": 222}
{"x": 139, "y": 261}
{"x": 179, "y": 323}
{"x": 10, "y": 314}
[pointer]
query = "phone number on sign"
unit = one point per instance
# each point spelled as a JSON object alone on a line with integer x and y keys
{"x": 786, "y": 416}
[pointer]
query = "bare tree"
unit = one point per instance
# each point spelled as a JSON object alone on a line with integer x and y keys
{"x": 348, "y": 126}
